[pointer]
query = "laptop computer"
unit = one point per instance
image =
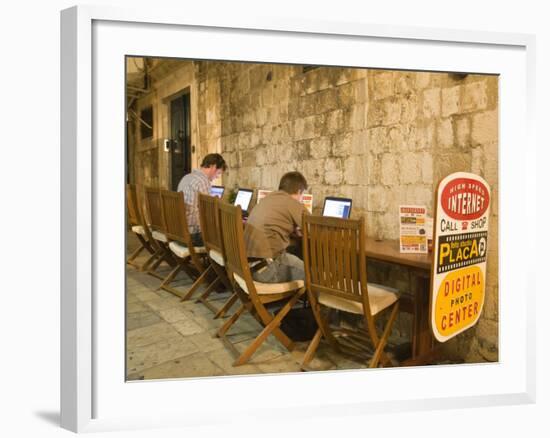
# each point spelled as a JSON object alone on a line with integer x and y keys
{"x": 217, "y": 191}
{"x": 337, "y": 207}
{"x": 243, "y": 198}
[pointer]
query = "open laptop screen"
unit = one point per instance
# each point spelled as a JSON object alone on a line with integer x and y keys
{"x": 244, "y": 196}
{"x": 337, "y": 207}
{"x": 217, "y": 191}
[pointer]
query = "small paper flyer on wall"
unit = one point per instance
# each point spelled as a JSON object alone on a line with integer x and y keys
{"x": 307, "y": 200}
{"x": 413, "y": 234}
{"x": 262, "y": 194}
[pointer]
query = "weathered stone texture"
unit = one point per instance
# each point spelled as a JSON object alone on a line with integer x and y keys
{"x": 381, "y": 137}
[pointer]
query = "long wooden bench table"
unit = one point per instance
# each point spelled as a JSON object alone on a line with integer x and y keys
{"x": 418, "y": 302}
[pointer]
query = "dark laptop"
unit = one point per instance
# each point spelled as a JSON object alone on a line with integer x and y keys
{"x": 337, "y": 207}
{"x": 243, "y": 198}
{"x": 217, "y": 191}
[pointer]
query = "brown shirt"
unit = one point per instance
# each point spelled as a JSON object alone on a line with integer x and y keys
{"x": 268, "y": 228}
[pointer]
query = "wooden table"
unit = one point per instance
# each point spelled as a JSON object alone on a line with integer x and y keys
{"x": 418, "y": 303}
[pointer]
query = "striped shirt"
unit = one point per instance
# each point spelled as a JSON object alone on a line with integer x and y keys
{"x": 191, "y": 185}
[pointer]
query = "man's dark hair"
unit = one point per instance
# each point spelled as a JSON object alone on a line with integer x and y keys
{"x": 214, "y": 159}
{"x": 293, "y": 182}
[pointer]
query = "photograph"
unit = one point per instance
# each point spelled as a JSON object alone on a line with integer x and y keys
{"x": 296, "y": 218}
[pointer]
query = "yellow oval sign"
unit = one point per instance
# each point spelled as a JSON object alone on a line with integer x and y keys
{"x": 459, "y": 300}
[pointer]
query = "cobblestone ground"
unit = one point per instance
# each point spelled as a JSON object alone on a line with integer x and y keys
{"x": 168, "y": 338}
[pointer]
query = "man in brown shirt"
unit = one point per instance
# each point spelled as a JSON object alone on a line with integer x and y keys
{"x": 269, "y": 228}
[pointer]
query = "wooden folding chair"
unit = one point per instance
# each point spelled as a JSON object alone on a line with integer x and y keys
{"x": 336, "y": 278}
{"x": 139, "y": 228}
{"x": 209, "y": 214}
{"x": 254, "y": 296}
{"x": 156, "y": 224}
{"x": 189, "y": 258}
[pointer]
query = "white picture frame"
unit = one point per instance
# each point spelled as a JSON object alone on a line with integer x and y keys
{"x": 94, "y": 396}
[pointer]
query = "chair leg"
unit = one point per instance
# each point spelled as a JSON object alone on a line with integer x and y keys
{"x": 312, "y": 348}
{"x": 135, "y": 254}
{"x": 147, "y": 262}
{"x": 170, "y": 277}
{"x": 227, "y": 325}
{"x": 382, "y": 341}
{"x": 203, "y": 298}
{"x": 196, "y": 284}
{"x": 226, "y": 306}
{"x": 162, "y": 256}
{"x": 274, "y": 323}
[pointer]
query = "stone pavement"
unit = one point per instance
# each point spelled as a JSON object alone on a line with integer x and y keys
{"x": 168, "y": 338}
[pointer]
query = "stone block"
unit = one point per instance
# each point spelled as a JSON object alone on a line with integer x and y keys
{"x": 431, "y": 103}
{"x": 333, "y": 171}
{"x": 140, "y": 358}
{"x": 248, "y": 158}
{"x": 485, "y": 127}
{"x": 355, "y": 169}
{"x": 374, "y": 169}
{"x": 477, "y": 161}
{"x": 410, "y": 168}
{"x": 422, "y": 80}
{"x": 334, "y": 122}
{"x": 135, "y": 320}
{"x": 302, "y": 150}
{"x": 343, "y": 76}
{"x": 377, "y": 199}
{"x": 447, "y": 163}
{"x": 392, "y": 111}
{"x": 426, "y": 167}
{"x": 490, "y": 169}
{"x": 361, "y": 91}
{"x": 359, "y": 142}
{"x": 375, "y": 113}
{"x": 409, "y": 107}
{"x": 320, "y": 147}
{"x": 382, "y": 84}
{"x": 308, "y": 105}
{"x": 462, "y": 132}
{"x": 450, "y": 101}
{"x": 389, "y": 173}
{"x": 341, "y": 145}
{"x": 403, "y": 82}
{"x": 340, "y": 97}
{"x": 377, "y": 140}
{"x": 396, "y": 139}
{"x": 195, "y": 365}
{"x": 445, "y": 134}
{"x": 487, "y": 336}
{"x": 490, "y": 307}
{"x": 358, "y": 117}
{"x": 474, "y": 96}
{"x": 151, "y": 334}
{"x": 270, "y": 177}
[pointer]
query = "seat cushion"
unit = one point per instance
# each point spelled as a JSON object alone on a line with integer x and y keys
{"x": 182, "y": 251}
{"x": 217, "y": 257}
{"x": 270, "y": 288}
{"x": 161, "y": 237}
{"x": 380, "y": 297}
{"x": 138, "y": 229}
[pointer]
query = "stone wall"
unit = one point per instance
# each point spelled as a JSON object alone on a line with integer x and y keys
{"x": 383, "y": 138}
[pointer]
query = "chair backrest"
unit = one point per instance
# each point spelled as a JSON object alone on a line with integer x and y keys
{"x": 175, "y": 220}
{"x": 154, "y": 209}
{"x": 134, "y": 215}
{"x": 209, "y": 215}
{"x": 233, "y": 241}
{"x": 334, "y": 258}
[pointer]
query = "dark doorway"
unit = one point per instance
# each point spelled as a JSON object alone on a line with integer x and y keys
{"x": 180, "y": 138}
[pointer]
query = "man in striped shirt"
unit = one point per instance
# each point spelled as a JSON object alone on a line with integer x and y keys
{"x": 199, "y": 181}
